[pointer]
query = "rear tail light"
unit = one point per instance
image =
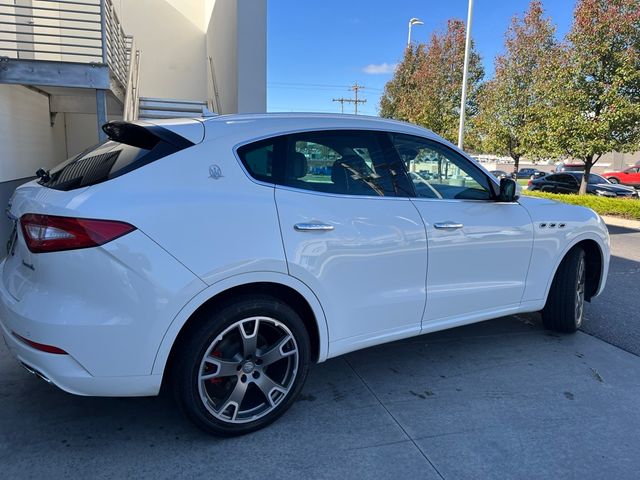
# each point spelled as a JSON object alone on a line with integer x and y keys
{"x": 48, "y": 233}
{"x": 530, "y": 183}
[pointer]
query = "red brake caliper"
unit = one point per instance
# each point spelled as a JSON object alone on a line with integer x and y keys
{"x": 216, "y": 380}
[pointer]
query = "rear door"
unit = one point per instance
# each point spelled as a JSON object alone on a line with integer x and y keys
{"x": 350, "y": 233}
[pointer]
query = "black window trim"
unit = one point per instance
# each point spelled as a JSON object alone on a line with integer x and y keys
{"x": 493, "y": 182}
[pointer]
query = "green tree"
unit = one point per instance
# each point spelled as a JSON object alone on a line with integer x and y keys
{"x": 590, "y": 92}
{"x": 399, "y": 99}
{"x": 505, "y": 121}
{"x": 426, "y": 87}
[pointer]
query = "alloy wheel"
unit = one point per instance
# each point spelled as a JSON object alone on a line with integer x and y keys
{"x": 248, "y": 370}
{"x": 580, "y": 288}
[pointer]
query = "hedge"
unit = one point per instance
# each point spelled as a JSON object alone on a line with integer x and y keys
{"x": 619, "y": 207}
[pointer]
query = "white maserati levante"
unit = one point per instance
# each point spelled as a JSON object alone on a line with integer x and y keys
{"x": 225, "y": 256}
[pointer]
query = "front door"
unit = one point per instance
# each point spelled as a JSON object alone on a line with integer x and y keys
{"x": 479, "y": 249}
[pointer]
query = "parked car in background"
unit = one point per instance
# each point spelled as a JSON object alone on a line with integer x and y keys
{"x": 204, "y": 255}
{"x": 501, "y": 174}
{"x": 629, "y": 176}
{"x": 569, "y": 182}
{"x": 530, "y": 173}
{"x": 569, "y": 167}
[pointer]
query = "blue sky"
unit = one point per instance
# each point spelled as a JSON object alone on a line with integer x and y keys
{"x": 316, "y": 48}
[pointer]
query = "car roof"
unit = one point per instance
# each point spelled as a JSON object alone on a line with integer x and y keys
{"x": 256, "y": 125}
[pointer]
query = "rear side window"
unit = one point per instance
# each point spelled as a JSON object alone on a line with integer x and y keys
{"x": 130, "y": 147}
{"x": 565, "y": 178}
{"x": 258, "y": 159}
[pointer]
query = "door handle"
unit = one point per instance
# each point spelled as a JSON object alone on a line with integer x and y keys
{"x": 312, "y": 227}
{"x": 448, "y": 225}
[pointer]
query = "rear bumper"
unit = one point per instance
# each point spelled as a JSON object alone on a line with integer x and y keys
{"x": 64, "y": 371}
{"x": 68, "y": 375}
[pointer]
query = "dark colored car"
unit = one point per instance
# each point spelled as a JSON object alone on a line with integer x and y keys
{"x": 569, "y": 182}
{"x": 501, "y": 174}
{"x": 530, "y": 172}
{"x": 570, "y": 167}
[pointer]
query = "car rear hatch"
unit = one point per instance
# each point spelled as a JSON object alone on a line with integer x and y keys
{"x": 57, "y": 192}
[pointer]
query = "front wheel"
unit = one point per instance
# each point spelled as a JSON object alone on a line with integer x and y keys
{"x": 613, "y": 180}
{"x": 243, "y": 366}
{"x": 564, "y": 310}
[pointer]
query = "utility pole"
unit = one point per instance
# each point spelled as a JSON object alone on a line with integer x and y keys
{"x": 355, "y": 88}
{"x": 342, "y": 101}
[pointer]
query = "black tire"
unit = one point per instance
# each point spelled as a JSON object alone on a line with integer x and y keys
{"x": 564, "y": 310}
{"x": 613, "y": 180}
{"x": 217, "y": 336}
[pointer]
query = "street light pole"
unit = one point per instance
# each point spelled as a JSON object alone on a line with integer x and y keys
{"x": 465, "y": 72}
{"x": 412, "y": 22}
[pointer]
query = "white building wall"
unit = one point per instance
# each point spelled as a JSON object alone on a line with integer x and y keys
{"x": 251, "y": 56}
{"x": 222, "y": 48}
{"x": 28, "y": 140}
{"x": 237, "y": 44}
{"x": 172, "y": 44}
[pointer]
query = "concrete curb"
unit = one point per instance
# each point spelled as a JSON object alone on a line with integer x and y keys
{"x": 621, "y": 222}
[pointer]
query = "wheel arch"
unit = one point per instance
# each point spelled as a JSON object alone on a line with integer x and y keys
{"x": 596, "y": 265}
{"x": 281, "y": 286}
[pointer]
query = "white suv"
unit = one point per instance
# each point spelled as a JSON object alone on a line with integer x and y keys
{"x": 224, "y": 256}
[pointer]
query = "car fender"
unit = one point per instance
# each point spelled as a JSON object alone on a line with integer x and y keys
{"x": 604, "y": 250}
{"x": 201, "y": 298}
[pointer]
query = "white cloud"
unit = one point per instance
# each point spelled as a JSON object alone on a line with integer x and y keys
{"x": 380, "y": 68}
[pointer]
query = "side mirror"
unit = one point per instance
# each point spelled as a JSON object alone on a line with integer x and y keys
{"x": 508, "y": 190}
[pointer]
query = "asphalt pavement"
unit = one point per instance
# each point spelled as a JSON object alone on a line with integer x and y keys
{"x": 614, "y": 316}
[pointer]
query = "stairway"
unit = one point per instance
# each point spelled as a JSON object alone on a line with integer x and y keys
{"x": 170, "y": 108}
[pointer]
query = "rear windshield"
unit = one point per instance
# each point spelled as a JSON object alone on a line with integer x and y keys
{"x": 112, "y": 158}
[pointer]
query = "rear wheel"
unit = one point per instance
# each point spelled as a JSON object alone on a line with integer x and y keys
{"x": 564, "y": 310}
{"x": 243, "y": 366}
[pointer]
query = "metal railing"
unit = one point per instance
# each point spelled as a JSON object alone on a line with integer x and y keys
{"x": 79, "y": 31}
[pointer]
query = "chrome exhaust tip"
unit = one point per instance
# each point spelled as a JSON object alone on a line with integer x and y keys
{"x": 35, "y": 372}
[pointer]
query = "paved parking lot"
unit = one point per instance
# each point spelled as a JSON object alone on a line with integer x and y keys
{"x": 502, "y": 399}
{"x": 615, "y": 315}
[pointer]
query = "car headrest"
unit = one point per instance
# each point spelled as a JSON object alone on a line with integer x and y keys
{"x": 345, "y": 169}
{"x": 299, "y": 165}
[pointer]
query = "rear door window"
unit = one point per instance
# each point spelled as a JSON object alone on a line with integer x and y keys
{"x": 345, "y": 162}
